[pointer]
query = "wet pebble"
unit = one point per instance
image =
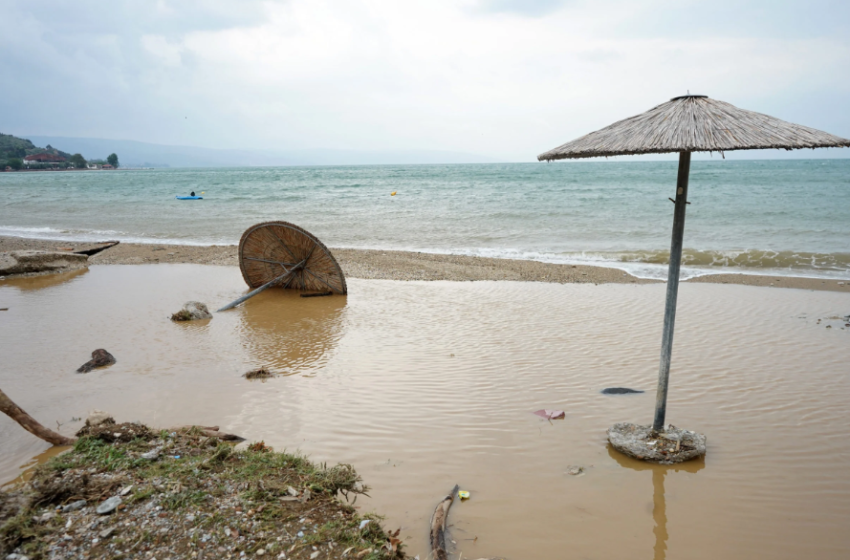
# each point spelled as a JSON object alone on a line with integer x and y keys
{"x": 73, "y": 506}
{"x": 109, "y": 505}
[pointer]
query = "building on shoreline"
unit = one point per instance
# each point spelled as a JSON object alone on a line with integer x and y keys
{"x": 44, "y": 158}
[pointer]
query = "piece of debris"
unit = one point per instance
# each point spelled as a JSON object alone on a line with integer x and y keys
{"x": 438, "y": 526}
{"x": 668, "y": 446}
{"x": 619, "y": 391}
{"x": 95, "y": 250}
{"x": 99, "y": 358}
{"x": 550, "y": 414}
{"x": 575, "y": 471}
{"x": 463, "y": 494}
{"x": 30, "y": 424}
{"x": 192, "y": 311}
{"x": 261, "y": 373}
{"x": 151, "y": 455}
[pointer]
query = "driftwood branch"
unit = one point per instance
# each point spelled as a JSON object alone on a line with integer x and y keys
{"x": 438, "y": 526}
{"x": 30, "y": 424}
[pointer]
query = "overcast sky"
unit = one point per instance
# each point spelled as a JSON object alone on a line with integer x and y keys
{"x": 505, "y": 78}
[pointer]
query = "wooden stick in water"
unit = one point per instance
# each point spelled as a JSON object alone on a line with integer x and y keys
{"x": 438, "y": 526}
{"x": 30, "y": 424}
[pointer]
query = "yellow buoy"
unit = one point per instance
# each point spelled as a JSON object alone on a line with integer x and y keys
{"x": 393, "y": 193}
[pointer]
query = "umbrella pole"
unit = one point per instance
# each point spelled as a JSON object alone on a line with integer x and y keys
{"x": 672, "y": 289}
{"x": 267, "y": 285}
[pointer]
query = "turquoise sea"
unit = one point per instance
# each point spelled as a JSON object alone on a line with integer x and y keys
{"x": 765, "y": 216}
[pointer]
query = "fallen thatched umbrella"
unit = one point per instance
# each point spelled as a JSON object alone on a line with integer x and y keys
{"x": 690, "y": 123}
{"x": 283, "y": 254}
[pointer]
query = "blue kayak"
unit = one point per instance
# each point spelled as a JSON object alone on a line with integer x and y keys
{"x": 189, "y": 197}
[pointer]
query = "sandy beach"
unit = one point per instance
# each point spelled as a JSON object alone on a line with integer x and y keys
{"x": 404, "y": 265}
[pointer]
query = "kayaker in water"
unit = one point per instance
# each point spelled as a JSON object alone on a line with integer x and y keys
{"x": 192, "y": 193}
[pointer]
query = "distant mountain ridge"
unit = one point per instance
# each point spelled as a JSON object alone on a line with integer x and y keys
{"x": 143, "y": 154}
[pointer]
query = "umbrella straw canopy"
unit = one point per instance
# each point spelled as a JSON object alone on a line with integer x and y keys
{"x": 690, "y": 123}
{"x": 694, "y": 123}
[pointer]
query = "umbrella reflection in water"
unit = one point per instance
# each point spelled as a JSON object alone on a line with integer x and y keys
{"x": 289, "y": 334}
{"x": 659, "y": 499}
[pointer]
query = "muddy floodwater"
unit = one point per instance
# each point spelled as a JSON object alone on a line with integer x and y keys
{"x": 424, "y": 385}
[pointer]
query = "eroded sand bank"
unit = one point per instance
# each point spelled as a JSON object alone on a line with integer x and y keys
{"x": 406, "y": 265}
{"x": 422, "y": 385}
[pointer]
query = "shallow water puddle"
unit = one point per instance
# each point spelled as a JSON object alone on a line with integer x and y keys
{"x": 424, "y": 385}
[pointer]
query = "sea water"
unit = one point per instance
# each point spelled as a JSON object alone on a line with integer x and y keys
{"x": 761, "y": 216}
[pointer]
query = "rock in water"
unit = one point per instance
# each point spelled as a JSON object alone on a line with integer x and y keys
{"x": 619, "y": 391}
{"x": 671, "y": 445}
{"x": 23, "y": 262}
{"x": 192, "y": 311}
{"x": 99, "y": 358}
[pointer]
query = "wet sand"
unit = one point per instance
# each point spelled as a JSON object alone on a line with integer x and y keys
{"x": 405, "y": 265}
{"x": 422, "y": 385}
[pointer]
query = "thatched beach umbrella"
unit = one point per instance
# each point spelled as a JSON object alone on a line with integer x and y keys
{"x": 690, "y": 123}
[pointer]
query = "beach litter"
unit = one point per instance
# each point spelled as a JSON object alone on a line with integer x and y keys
{"x": 575, "y": 471}
{"x": 550, "y": 414}
{"x": 99, "y": 358}
{"x": 463, "y": 494}
{"x": 192, "y": 311}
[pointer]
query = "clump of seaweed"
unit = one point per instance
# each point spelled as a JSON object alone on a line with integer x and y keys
{"x": 182, "y": 315}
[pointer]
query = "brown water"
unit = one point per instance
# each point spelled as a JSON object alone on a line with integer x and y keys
{"x": 424, "y": 385}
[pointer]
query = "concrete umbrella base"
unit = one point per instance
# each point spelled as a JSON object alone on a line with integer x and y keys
{"x": 672, "y": 445}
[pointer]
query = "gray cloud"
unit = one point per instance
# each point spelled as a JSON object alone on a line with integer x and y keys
{"x": 378, "y": 74}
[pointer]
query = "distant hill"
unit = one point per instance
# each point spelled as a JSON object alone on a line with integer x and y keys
{"x": 143, "y": 154}
{"x": 14, "y": 147}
